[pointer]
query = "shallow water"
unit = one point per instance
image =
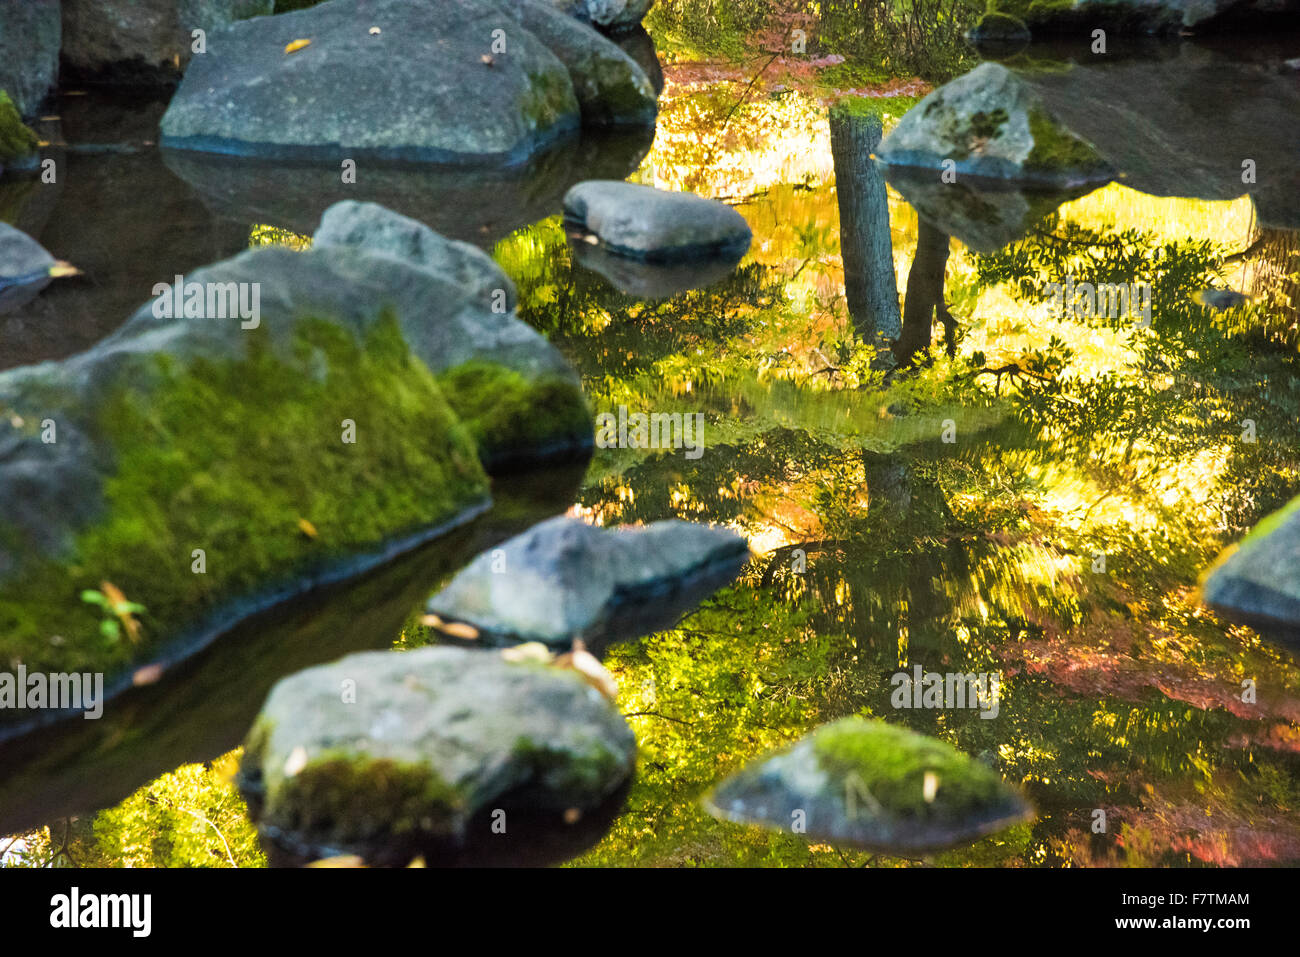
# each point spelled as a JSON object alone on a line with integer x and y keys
{"x": 1045, "y": 525}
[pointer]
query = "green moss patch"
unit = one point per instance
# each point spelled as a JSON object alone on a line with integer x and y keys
{"x": 343, "y": 798}
{"x": 16, "y": 140}
{"x": 245, "y": 459}
{"x": 892, "y": 764}
{"x": 508, "y": 414}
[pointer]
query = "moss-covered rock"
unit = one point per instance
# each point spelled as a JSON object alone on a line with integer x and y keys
{"x": 117, "y": 465}
{"x": 471, "y": 82}
{"x": 520, "y": 399}
{"x": 871, "y": 784}
{"x": 17, "y": 142}
{"x": 990, "y": 124}
{"x": 388, "y": 755}
{"x": 612, "y": 90}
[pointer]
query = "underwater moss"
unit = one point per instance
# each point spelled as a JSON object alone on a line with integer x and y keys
{"x": 16, "y": 140}
{"x": 893, "y": 763}
{"x": 230, "y": 456}
{"x": 509, "y": 414}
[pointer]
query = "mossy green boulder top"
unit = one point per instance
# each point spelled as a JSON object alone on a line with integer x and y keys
{"x": 870, "y": 784}
{"x": 990, "y": 124}
{"x": 1257, "y": 581}
{"x": 17, "y": 142}
{"x": 655, "y": 225}
{"x": 448, "y": 81}
{"x": 564, "y": 579}
{"x": 190, "y": 469}
{"x": 515, "y": 392}
{"x": 391, "y": 754}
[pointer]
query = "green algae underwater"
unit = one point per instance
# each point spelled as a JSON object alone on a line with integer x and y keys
{"x": 1097, "y": 470}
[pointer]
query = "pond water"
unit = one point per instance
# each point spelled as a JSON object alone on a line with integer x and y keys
{"x": 1034, "y": 502}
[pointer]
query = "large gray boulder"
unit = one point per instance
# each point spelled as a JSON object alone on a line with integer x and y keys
{"x": 30, "y": 34}
{"x": 423, "y": 80}
{"x": 565, "y": 579}
{"x": 990, "y": 124}
{"x": 654, "y": 225}
{"x": 1257, "y": 581}
{"x": 388, "y": 755}
{"x": 143, "y": 40}
{"x": 869, "y": 784}
{"x": 609, "y": 15}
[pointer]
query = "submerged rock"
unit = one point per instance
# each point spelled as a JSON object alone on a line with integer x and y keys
{"x": 1257, "y": 581}
{"x": 990, "y": 124}
{"x": 873, "y": 785}
{"x": 30, "y": 35}
{"x": 996, "y": 28}
{"x": 650, "y": 224}
{"x": 565, "y": 579}
{"x": 25, "y": 268}
{"x": 147, "y": 41}
{"x": 420, "y": 744}
{"x": 405, "y": 80}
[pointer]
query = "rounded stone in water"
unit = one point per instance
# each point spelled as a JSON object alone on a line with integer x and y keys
{"x": 388, "y": 755}
{"x": 872, "y": 785}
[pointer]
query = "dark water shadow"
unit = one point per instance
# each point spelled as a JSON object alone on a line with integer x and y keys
{"x": 479, "y": 206}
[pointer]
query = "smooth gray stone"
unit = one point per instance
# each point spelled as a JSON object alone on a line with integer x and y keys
{"x": 565, "y": 579}
{"x": 424, "y": 742}
{"x": 642, "y": 222}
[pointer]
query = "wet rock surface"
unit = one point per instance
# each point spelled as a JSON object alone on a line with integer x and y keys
{"x": 419, "y": 745}
{"x": 990, "y": 124}
{"x": 564, "y": 579}
{"x": 869, "y": 784}
{"x": 410, "y": 80}
{"x": 654, "y": 225}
